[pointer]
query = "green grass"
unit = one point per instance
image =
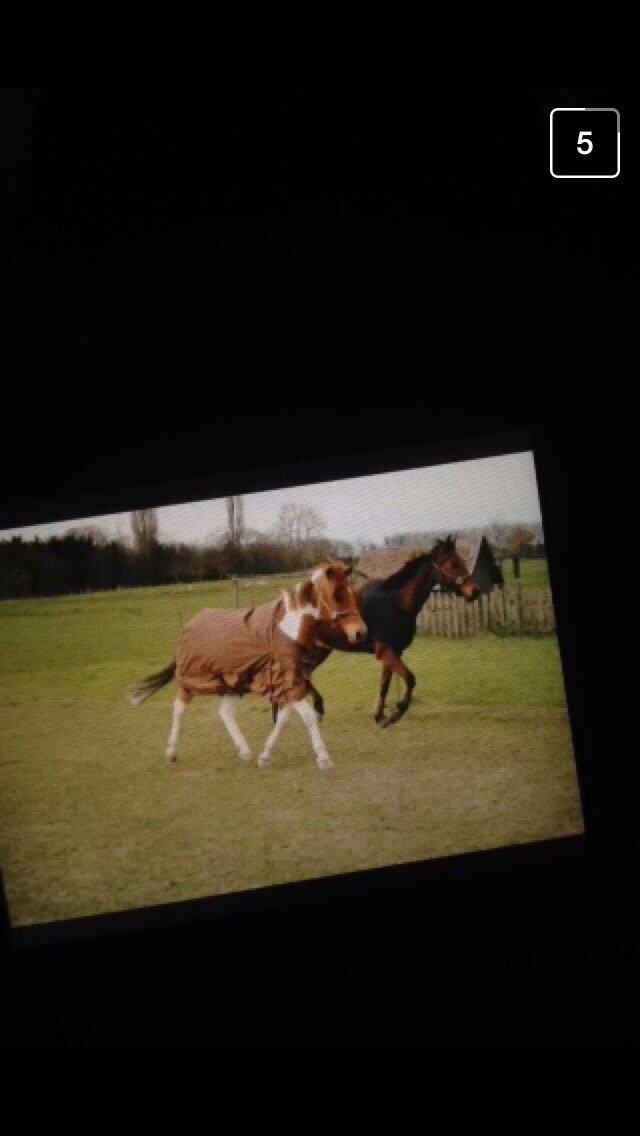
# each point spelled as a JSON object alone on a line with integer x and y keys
{"x": 93, "y": 819}
{"x": 533, "y": 573}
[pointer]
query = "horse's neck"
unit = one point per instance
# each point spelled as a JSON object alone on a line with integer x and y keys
{"x": 414, "y": 595}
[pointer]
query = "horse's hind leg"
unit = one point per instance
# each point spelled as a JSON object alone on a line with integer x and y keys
{"x": 179, "y": 706}
{"x": 228, "y": 710}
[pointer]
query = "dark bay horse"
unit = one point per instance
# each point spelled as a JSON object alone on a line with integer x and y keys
{"x": 390, "y": 609}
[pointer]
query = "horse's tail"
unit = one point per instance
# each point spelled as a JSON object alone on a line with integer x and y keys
{"x": 149, "y": 685}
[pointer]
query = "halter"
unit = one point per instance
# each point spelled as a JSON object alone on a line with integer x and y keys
{"x": 459, "y": 580}
{"x": 333, "y": 615}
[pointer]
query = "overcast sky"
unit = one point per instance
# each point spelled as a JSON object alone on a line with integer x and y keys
{"x": 454, "y": 496}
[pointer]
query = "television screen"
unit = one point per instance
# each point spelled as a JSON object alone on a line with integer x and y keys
{"x": 228, "y": 694}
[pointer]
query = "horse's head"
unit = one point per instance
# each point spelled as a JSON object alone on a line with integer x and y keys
{"x": 336, "y": 600}
{"x": 325, "y": 598}
{"x": 451, "y": 571}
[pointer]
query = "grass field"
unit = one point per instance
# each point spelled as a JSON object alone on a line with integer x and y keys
{"x": 93, "y": 819}
{"x": 533, "y": 573}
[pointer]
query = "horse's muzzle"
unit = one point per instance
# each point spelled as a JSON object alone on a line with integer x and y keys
{"x": 357, "y": 633}
{"x": 470, "y": 592}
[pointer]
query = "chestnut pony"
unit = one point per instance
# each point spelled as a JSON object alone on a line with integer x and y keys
{"x": 263, "y": 651}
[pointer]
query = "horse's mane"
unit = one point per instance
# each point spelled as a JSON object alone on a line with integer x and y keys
{"x": 409, "y": 569}
{"x": 407, "y": 572}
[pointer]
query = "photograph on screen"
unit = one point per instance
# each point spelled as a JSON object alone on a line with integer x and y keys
{"x": 230, "y": 694}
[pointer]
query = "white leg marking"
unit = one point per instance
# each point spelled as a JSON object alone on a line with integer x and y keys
{"x": 284, "y": 716}
{"x": 228, "y": 710}
{"x": 309, "y": 717}
{"x": 179, "y": 708}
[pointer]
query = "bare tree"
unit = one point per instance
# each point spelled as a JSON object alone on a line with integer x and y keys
{"x": 89, "y": 532}
{"x": 299, "y": 524}
{"x": 235, "y": 520}
{"x": 144, "y": 526}
{"x": 499, "y": 537}
{"x": 310, "y": 524}
{"x": 286, "y": 524}
{"x": 518, "y": 541}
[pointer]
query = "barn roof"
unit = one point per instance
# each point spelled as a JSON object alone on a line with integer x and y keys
{"x": 383, "y": 562}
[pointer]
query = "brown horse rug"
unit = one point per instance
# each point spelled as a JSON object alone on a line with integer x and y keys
{"x": 234, "y": 652}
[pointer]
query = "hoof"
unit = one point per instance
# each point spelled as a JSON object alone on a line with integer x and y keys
{"x": 264, "y": 761}
{"x": 394, "y": 718}
{"x": 325, "y": 763}
{"x": 171, "y": 755}
{"x": 244, "y": 754}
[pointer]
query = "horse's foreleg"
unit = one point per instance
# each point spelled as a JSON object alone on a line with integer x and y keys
{"x": 228, "y": 710}
{"x": 385, "y": 679}
{"x": 179, "y": 706}
{"x": 316, "y": 698}
{"x": 394, "y": 664}
{"x": 283, "y": 716}
{"x": 308, "y": 715}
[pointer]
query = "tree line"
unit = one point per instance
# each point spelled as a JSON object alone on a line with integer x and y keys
{"x": 86, "y": 559}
